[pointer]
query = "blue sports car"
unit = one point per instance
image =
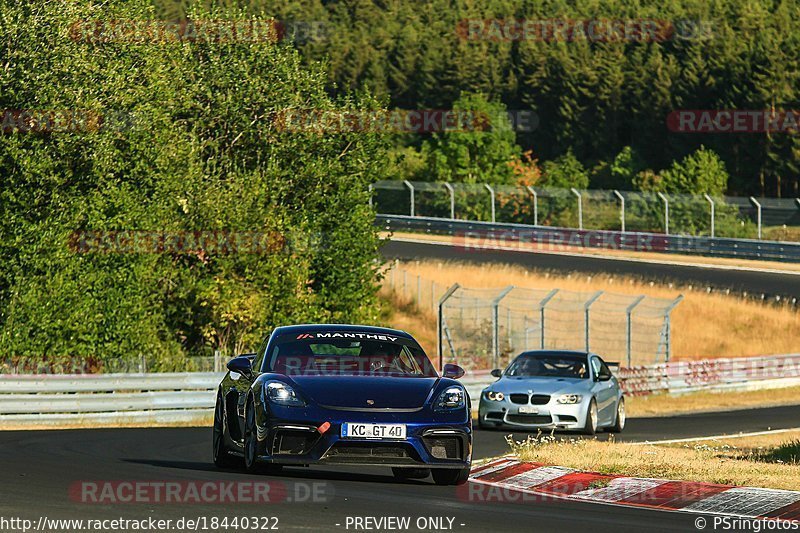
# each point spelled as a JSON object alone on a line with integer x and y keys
{"x": 343, "y": 395}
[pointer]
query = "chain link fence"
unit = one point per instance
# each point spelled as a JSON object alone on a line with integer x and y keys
{"x": 672, "y": 214}
{"x": 485, "y": 328}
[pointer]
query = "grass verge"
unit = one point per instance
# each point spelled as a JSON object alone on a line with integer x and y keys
{"x": 700, "y": 402}
{"x": 761, "y": 462}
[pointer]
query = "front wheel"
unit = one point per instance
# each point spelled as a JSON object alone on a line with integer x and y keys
{"x": 590, "y": 426}
{"x": 250, "y": 439}
{"x": 222, "y": 459}
{"x": 447, "y": 476}
{"x": 619, "y": 425}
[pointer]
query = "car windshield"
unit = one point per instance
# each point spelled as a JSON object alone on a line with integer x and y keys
{"x": 381, "y": 356}
{"x": 549, "y": 365}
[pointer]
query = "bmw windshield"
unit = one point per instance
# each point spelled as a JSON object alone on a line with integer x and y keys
{"x": 549, "y": 365}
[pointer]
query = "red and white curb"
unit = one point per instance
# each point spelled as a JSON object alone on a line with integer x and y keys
{"x": 542, "y": 481}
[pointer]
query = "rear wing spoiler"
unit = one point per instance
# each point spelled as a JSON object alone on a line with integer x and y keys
{"x": 613, "y": 365}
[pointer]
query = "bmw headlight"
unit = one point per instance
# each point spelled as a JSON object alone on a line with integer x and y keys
{"x": 283, "y": 394}
{"x": 450, "y": 399}
{"x": 494, "y": 396}
{"x": 569, "y": 399}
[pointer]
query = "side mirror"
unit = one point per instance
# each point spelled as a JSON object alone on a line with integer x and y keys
{"x": 604, "y": 377}
{"x": 452, "y": 371}
{"x": 241, "y": 365}
{"x": 496, "y": 373}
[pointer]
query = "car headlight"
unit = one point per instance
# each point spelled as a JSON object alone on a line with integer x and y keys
{"x": 569, "y": 398}
{"x": 452, "y": 398}
{"x": 283, "y": 394}
{"x": 494, "y": 396}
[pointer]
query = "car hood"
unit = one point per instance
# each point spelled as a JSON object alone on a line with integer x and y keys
{"x": 549, "y": 386}
{"x": 384, "y": 392}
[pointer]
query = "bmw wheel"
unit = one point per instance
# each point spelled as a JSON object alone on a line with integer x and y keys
{"x": 222, "y": 459}
{"x": 619, "y": 425}
{"x": 590, "y": 427}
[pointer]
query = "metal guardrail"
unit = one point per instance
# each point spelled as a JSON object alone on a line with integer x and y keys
{"x": 51, "y": 400}
{"x": 56, "y": 400}
{"x": 472, "y": 235}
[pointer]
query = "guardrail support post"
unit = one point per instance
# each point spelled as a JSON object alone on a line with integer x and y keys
{"x": 496, "y": 325}
{"x": 580, "y": 206}
{"x": 586, "y": 307}
{"x": 667, "y": 313}
{"x": 452, "y": 200}
{"x": 440, "y": 322}
{"x": 542, "y": 305}
{"x": 628, "y": 312}
{"x": 535, "y": 205}
{"x": 411, "y": 195}
{"x": 758, "y": 214}
{"x": 666, "y": 211}
{"x": 621, "y": 209}
{"x": 491, "y": 196}
{"x": 711, "y": 203}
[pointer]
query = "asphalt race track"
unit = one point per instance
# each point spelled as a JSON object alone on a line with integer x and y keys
{"x": 753, "y": 282}
{"x": 39, "y": 467}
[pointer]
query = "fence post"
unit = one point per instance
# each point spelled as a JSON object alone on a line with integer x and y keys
{"x": 542, "y": 305}
{"x": 452, "y": 200}
{"x": 496, "y": 325}
{"x": 217, "y": 362}
{"x": 371, "y": 190}
{"x": 621, "y": 209}
{"x": 667, "y": 313}
{"x": 711, "y": 202}
{"x": 758, "y": 214}
{"x": 586, "y": 307}
{"x": 628, "y": 313}
{"x": 536, "y": 205}
{"x": 411, "y": 195}
{"x": 440, "y": 322}
{"x": 666, "y": 212}
{"x": 491, "y": 196}
{"x": 580, "y": 206}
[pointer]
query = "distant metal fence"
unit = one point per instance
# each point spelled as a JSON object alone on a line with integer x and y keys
{"x": 483, "y": 328}
{"x": 669, "y": 214}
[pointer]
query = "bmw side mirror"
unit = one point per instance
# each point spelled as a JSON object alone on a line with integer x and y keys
{"x": 241, "y": 365}
{"x": 452, "y": 371}
{"x": 604, "y": 377}
{"x": 496, "y": 373}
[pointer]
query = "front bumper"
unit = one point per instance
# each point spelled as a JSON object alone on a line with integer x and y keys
{"x": 550, "y": 416}
{"x": 290, "y": 436}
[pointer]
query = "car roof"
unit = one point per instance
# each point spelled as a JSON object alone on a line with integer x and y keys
{"x": 302, "y": 328}
{"x": 572, "y": 353}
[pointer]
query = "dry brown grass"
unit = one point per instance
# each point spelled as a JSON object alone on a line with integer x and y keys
{"x": 704, "y": 325}
{"x": 743, "y": 464}
{"x": 698, "y": 402}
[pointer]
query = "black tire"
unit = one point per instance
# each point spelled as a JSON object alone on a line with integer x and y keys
{"x": 251, "y": 464}
{"x": 447, "y": 476}
{"x": 410, "y": 473}
{"x": 590, "y": 426}
{"x": 619, "y": 423}
{"x": 222, "y": 459}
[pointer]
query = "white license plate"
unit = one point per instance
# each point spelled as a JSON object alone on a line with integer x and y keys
{"x": 528, "y": 410}
{"x": 374, "y": 431}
